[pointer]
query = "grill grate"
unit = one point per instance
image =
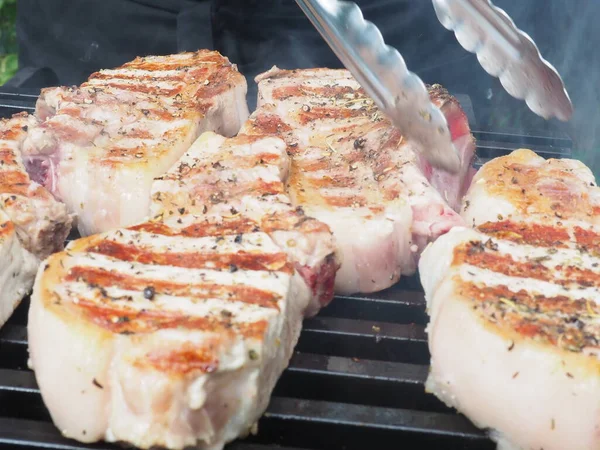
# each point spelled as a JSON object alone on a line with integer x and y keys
{"x": 357, "y": 376}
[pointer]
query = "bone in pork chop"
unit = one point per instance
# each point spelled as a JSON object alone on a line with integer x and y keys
{"x": 100, "y": 145}
{"x": 514, "y": 305}
{"x": 41, "y": 222}
{"x": 190, "y": 317}
{"x": 32, "y": 223}
{"x": 354, "y": 171}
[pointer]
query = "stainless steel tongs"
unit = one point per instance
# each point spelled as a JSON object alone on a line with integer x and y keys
{"x": 481, "y": 28}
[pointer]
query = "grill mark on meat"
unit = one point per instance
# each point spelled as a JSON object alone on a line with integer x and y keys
{"x": 255, "y": 160}
{"x": 66, "y": 132}
{"x": 477, "y": 254}
{"x": 218, "y": 261}
{"x": 293, "y": 221}
{"x": 187, "y": 359}
{"x": 101, "y": 278}
{"x": 123, "y": 75}
{"x": 10, "y": 133}
{"x": 162, "y": 66}
{"x": 240, "y": 225}
{"x": 325, "y": 113}
{"x": 567, "y": 323}
{"x": 164, "y": 114}
{"x": 312, "y": 165}
{"x": 333, "y": 181}
{"x": 327, "y": 92}
{"x": 7, "y": 157}
{"x": 236, "y": 189}
{"x": 122, "y": 154}
{"x": 269, "y": 124}
{"x": 166, "y": 63}
{"x": 588, "y": 239}
{"x": 118, "y": 318}
{"x": 140, "y": 154}
{"x": 6, "y": 229}
{"x": 218, "y": 83}
{"x": 138, "y": 133}
{"x": 75, "y": 112}
{"x": 527, "y": 233}
{"x": 90, "y": 99}
{"x": 14, "y": 183}
{"x": 145, "y": 88}
{"x": 345, "y": 201}
{"x": 237, "y": 162}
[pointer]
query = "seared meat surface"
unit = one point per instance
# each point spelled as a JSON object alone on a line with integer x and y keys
{"x": 355, "y": 172}
{"x": 99, "y": 146}
{"x": 173, "y": 332}
{"x": 245, "y": 177}
{"x": 514, "y": 304}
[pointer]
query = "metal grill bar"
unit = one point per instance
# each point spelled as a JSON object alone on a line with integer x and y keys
{"x": 356, "y": 381}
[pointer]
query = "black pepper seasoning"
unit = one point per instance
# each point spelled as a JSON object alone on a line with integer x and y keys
{"x": 149, "y": 293}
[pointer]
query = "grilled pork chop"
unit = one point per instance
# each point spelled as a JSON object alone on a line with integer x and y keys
{"x": 514, "y": 305}
{"x": 32, "y": 223}
{"x": 173, "y": 332}
{"x": 243, "y": 176}
{"x": 42, "y": 223}
{"x": 100, "y": 145}
{"x": 355, "y": 172}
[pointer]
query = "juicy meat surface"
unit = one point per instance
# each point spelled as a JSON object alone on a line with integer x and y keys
{"x": 245, "y": 177}
{"x": 523, "y": 284}
{"x": 355, "y": 172}
{"x": 173, "y": 332}
{"x": 41, "y": 222}
{"x": 99, "y": 146}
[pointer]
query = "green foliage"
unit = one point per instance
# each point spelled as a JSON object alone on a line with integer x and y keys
{"x": 8, "y": 40}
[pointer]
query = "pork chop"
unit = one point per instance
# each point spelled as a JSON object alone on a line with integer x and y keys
{"x": 32, "y": 223}
{"x": 17, "y": 271}
{"x": 355, "y": 172}
{"x": 100, "y": 145}
{"x": 174, "y": 331}
{"x": 524, "y": 286}
{"x": 245, "y": 176}
{"x": 41, "y": 222}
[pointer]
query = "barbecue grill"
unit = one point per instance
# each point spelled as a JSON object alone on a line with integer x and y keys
{"x": 355, "y": 382}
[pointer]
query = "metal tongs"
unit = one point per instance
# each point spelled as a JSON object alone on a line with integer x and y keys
{"x": 481, "y": 28}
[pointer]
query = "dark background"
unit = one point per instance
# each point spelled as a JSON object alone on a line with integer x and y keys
{"x": 63, "y": 41}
